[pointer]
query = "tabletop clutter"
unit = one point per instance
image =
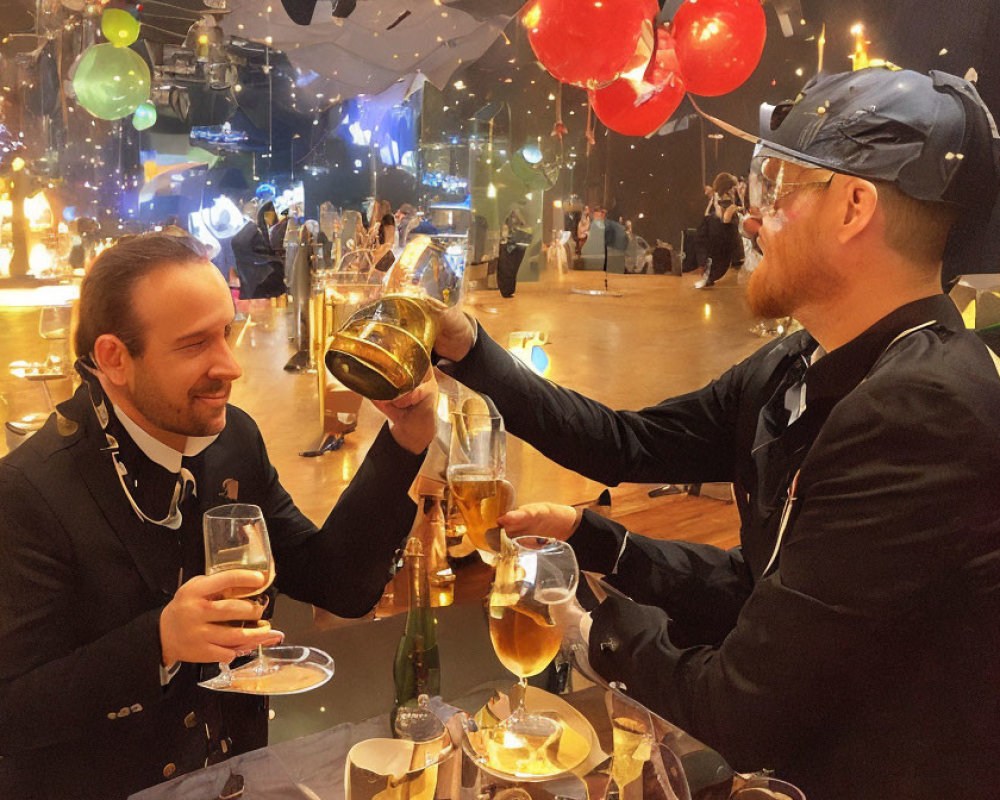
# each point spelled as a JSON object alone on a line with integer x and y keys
{"x": 607, "y": 748}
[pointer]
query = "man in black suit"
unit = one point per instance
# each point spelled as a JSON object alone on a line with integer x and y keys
{"x": 107, "y": 619}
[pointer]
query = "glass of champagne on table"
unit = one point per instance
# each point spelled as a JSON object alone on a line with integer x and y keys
{"x": 536, "y": 577}
{"x": 476, "y": 470}
{"x": 236, "y": 538}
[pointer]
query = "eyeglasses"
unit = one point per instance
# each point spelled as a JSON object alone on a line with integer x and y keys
{"x": 768, "y": 182}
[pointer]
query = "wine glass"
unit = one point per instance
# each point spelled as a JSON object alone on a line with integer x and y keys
{"x": 633, "y": 739}
{"x": 535, "y": 577}
{"x": 476, "y": 468}
{"x": 236, "y": 538}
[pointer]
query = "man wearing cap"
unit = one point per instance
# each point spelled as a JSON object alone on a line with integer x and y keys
{"x": 852, "y": 642}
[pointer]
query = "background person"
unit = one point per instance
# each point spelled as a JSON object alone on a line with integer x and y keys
{"x": 515, "y": 236}
{"x": 723, "y": 242}
{"x": 582, "y": 229}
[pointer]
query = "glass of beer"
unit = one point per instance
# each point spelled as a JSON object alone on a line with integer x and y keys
{"x": 236, "y": 538}
{"x": 476, "y": 467}
{"x": 536, "y": 577}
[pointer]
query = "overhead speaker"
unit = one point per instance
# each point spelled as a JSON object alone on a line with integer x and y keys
{"x": 301, "y": 11}
{"x": 343, "y": 8}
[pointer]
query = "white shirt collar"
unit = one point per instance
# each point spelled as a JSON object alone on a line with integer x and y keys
{"x": 155, "y": 450}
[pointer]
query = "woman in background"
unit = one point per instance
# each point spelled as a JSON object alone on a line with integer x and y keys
{"x": 722, "y": 231}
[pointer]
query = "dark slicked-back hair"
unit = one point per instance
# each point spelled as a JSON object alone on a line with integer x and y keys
{"x": 107, "y": 290}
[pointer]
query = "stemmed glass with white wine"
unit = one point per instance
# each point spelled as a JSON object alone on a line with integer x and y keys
{"x": 536, "y": 577}
{"x": 236, "y": 538}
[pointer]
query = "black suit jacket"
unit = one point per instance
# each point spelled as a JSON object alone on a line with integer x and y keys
{"x": 83, "y": 582}
{"x": 857, "y": 654}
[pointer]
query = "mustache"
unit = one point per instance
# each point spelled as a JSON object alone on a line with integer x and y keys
{"x": 209, "y": 387}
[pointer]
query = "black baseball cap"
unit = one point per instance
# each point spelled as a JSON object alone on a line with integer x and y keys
{"x": 929, "y": 135}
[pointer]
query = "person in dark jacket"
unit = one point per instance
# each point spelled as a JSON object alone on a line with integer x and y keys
{"x": 276, "y": 233}
{"x": 723, "y": 242}
{"x": 261, "y": 272}
{"x": 107, "y": 620}
{"x": 515, "y": 236}
{"x": 850, "y": 643}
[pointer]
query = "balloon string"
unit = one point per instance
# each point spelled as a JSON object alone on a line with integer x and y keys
{"x": 560, "y": 127}
{"x": 591, "y": 140}
{"x": 164, "y": 30}
{"x": 730, "y": 129}
{"x": 173, "y": 5}
{"x": 146, "y": 14}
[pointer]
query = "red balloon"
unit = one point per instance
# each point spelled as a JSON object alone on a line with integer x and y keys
{"x": 615, "y": 105}
{"x": 719, "y": 43}
{"x": 586, "y": 42}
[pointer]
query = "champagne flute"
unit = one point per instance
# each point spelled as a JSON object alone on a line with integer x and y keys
{"x": 633, "y": 742}
{"x": 236, "y": 538}
{"x": 476, "y": 468}
{"x": 535, "y": 577}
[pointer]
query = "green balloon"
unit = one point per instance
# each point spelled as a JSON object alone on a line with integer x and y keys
{"x": 119, "y": 27}
{"x": 144, "y": 116}
{"x": 533, "y": 169}
{"x": 110, "y": 82}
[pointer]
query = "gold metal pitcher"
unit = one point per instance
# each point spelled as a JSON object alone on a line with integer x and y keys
{"x": 383, "y": 350}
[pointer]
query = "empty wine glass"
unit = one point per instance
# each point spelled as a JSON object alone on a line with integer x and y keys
{"x": 535, "y": 577}
{"x": 476, "y": 468}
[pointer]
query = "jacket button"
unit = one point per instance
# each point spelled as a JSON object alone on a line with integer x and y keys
{"x": 609, "y": 645}
{"x": 169, "y": 770}
{"x": 191, "y": 720}
{"x": 124, "y": 711}
{"x": 112, "y": 715}
{"x": 136, "y": 708}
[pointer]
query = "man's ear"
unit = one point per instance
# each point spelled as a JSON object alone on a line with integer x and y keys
{"x": 112, "y": 358}
{"x": 860, "y": 199}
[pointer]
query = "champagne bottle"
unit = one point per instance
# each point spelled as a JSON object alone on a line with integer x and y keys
{"x": 417, "y": 667}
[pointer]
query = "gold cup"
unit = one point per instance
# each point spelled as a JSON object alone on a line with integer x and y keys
{"x": 395, "y": 769}
{"x": 383, "y": 350}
